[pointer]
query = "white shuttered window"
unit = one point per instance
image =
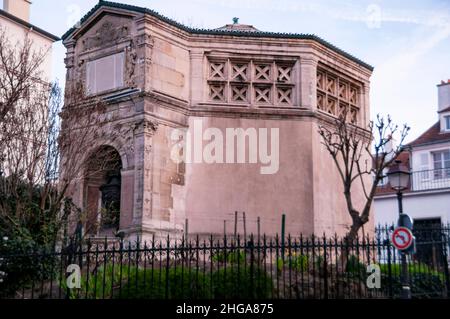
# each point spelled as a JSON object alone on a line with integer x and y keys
{"x": 105, "y": 74}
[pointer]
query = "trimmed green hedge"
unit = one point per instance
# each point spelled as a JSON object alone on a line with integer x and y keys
{"x": 174, "y": 283}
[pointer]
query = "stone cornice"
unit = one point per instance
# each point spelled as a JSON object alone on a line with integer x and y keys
{"x": 197, "y": 34}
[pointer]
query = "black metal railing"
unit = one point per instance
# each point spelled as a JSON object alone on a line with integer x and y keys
{"x": 233, "y": 267}
{"x": 432, "y": 179}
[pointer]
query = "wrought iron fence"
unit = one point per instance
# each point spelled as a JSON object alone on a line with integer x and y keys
{"x": 233, "y": 267}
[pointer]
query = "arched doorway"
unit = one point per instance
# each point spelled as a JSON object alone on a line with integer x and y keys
{"x": 102, "y": 192}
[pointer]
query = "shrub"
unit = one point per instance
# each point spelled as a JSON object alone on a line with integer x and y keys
{"x": 297, "y": 262}
{"x": 354, "y": 266}
{"x": 137, "y": 283}
{"x": 23, "y": 263}
{"x": 175, "y": 283}
{"x": 231, "y": 257}
{"x": 242, "y": 282}
{"x": 417, "y": 268}
{"x": 101, "y": 283}
{"x": 425, "y": 282}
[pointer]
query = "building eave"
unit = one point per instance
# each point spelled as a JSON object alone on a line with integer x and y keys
{"x": 216, "y": 32}
{"x": 28, "y": 25}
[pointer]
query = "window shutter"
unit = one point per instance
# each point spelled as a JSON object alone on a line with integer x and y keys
{"x": 424, "y": 162}
{"x": 424, "y": 166}
{"x": 119, "y": 65}
{"x": 105, "y": 74}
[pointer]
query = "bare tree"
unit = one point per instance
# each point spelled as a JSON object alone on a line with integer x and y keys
{"x": 20, "y": 65}
{"x": 43, "y": 143}
{"x": 361, "y": 157}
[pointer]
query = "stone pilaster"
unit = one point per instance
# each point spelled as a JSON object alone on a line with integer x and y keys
{"x": 197, "y": 76}
{"x": 308, "y": 82}
{"x": 144, "y": 51}
{"x": 365, "y": 105}
{"x": 143, "y": 163}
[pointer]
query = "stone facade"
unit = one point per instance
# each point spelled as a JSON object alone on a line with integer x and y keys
{"x": 167, "y": 76}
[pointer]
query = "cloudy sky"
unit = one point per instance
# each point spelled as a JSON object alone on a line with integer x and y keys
{"x": 407, "y": 41}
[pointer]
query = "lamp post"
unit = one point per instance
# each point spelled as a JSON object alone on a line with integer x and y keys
{"x": 398, "y": 177}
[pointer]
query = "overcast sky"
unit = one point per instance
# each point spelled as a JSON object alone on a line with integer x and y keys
{"x": 407, "y": 41}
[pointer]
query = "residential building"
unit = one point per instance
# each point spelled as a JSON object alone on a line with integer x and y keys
{"x": 427, "y": 199}
{"x": 15, "y": 21}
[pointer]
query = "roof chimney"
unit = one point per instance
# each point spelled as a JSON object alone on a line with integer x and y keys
{"x": 18, "y": 8}
{"x": 443, "y": 95}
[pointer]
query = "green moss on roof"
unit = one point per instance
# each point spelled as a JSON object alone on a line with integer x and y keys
{"x": 183, "y": 27}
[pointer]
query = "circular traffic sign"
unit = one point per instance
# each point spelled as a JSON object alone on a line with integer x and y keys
{"x": 402, "y": 238}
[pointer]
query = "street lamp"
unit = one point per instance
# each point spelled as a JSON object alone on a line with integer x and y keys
{"x": 398, "y": 176}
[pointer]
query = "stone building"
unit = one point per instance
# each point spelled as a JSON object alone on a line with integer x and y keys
{"x": 158, "y": 76}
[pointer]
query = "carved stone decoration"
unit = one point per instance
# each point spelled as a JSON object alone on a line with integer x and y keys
{"x": 146, "y": 126}
{"x": 239, "y": 71}
{"x": 145, "y": 40}
{"x": 217, "y": 92}
{"x": 239, "y": 93}
{"x": 263, "y": 94}
{"x": 217, "y": 70}
{"x": 337, "y": 96}
{"x": 81, "y": 71}
{"x": 106, "y": 33}
{"x": 284, "y": 95}
{"x": 284, "y": 73}
{"x": 247, "y": 81}
{"x": 130, "y": 68}
{"x": 263, "y": 72}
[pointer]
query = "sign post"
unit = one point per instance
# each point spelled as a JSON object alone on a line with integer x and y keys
{"x": 403, "y": 240}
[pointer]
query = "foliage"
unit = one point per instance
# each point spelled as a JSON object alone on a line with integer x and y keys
{"x": 423, "y": 285}
{"x": 297, "y": 262}
{"x": 175, "y": 282}
{"x": 23, "y": 262}
{"x": 130, "y": 282}
{"x": 230, "y": 257}
{"x": 43, "y": 145}
{"x": 101, "y": 283}
{"x": 242, "y": 282}
{"x": 415, "y": 268}
{"x": 355, "y": 267}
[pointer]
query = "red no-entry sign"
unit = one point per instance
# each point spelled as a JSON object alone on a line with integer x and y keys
{"x": 402, "y": 238}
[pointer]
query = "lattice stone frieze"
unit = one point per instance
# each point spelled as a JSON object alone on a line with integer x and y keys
{"x": 342, "y": 110}
{"x": 331, "y": 106}
{"x": 338, "y": 95}
{"x": 217, "y": 92}
{"x": 239, "y": 71}
{"x": 239, "y": 93}
{"x": 262, "y": 94}
{"x": 321, "y": 81}
{"x": 353, "y": 95}
{"x": 284, "y": 95}
{"x": 321, "y": 101}
{"x": 353, "y": 115}
{"x": 217, "y": 70}
{"x": 331, "y": 85}
{"x": 284, "y": 73}
{"x": 263, "y": 72}
{"x": 253, "y": 82}
{"x": 343, "y": 90}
